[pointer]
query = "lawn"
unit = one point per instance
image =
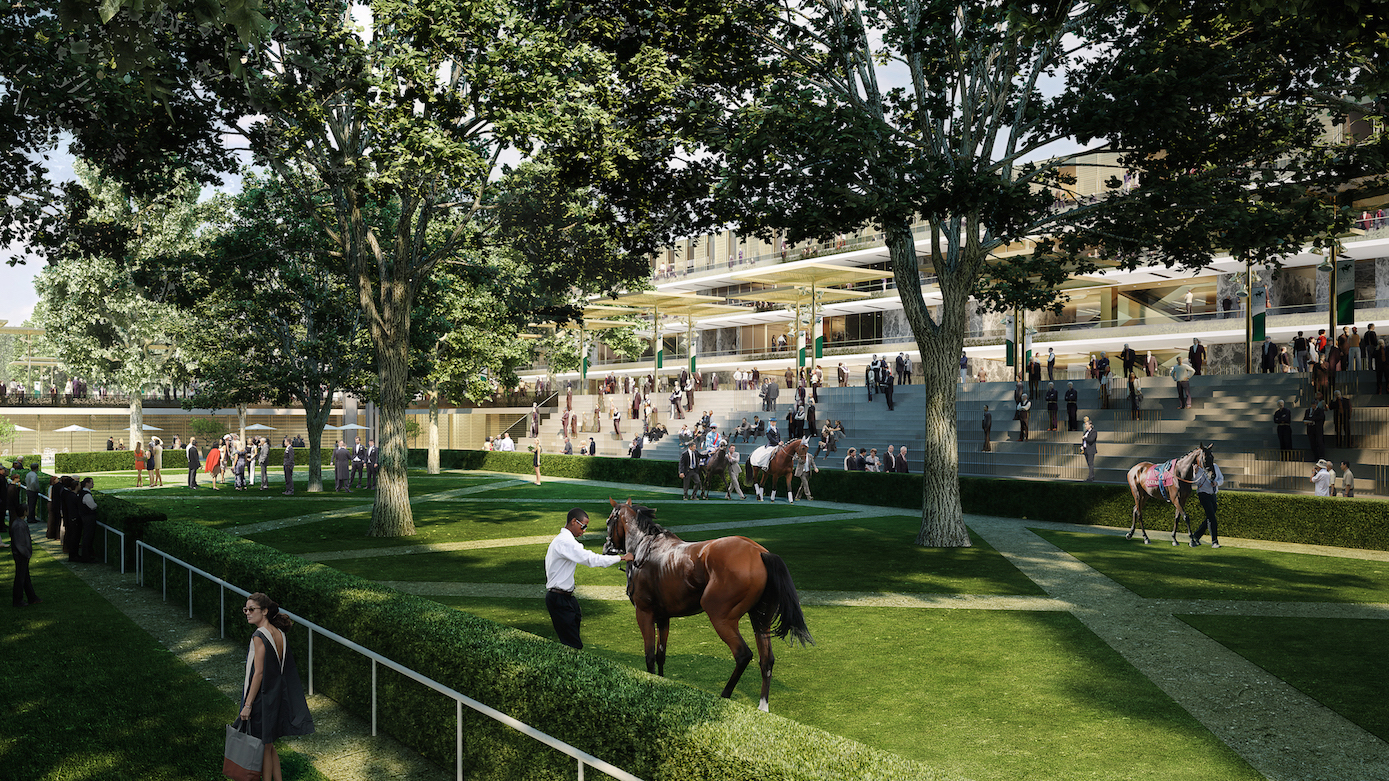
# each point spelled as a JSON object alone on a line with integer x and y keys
{"x": 556, "y": 491}
{"x": 90, "y": 695}
{"x": 1161, "y": 571}
{"x": 982, "y": 694}
{"x": 1337, "y": 662}
{"x": 460, "y": 521}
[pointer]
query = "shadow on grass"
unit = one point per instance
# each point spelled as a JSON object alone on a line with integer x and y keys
{"x": 1161, "y": 571}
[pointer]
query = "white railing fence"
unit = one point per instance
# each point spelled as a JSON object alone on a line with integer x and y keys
{"x": 583, "y": 758}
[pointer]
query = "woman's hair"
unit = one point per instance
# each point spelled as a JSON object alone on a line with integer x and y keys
{"x": 272, "y": 611}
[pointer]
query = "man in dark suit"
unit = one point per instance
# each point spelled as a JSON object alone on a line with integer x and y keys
{"x": 289, "y": 467}
{"x": 342, "y": 464}
{"x": 263, "y": 459}
{"x": 988, "y": 423}
{"x": 359, "y": 462}
{"x": 689, "y": 471}
{"x": 1087, "y": 447}
{"x": 887, "y": 386}
{"x": 1129, "y": 357}
{"x": 889, "y": 460}
{"x": 1071, "y": 398}
{"x": 902, "y": 460}
{"x": 195, "y": 462}
{"x": 1034, "y": 378}
{"x": 373, "y": 463}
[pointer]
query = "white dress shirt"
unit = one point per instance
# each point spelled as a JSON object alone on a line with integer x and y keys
{"x": 1321, "y": 481}
{"x": 564, "y": 555}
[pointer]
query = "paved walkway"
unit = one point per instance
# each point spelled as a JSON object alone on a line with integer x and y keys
{"x": 1281, "y": 732}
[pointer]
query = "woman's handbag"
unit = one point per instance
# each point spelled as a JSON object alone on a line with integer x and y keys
{"x": 243, "y": 755}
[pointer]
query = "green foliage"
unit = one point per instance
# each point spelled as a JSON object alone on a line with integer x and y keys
{"x": 175, "y": 460}
{"x": 7, "y": 430}
{"x": 649, "y": 726}
{"x": 207, "y": 426}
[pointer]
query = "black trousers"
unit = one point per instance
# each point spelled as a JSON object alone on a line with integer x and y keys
{"x": 192, "y": 477}
{"x": 1285, "y": 437}
{"x": 1208, "y": 506}
{"x": 356, "y": 480}
{"x": 289, "y": 479}
{"x": 84, "y": 549}
{"x": 264, "y": 478}
{"x": 887, "y": 391}
{"x": 23, "y": 584}
{"x": 372, "y": 470}
{"x": 691, "y": 478}
{"x": 33, "y": 505}
{"x": 565, "y": 617}
{"x": 1071, "y": 423}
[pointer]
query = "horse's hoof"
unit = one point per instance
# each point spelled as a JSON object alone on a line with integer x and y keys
{"x": 1128, "y": 536}
{"x": 1174, "y": 543}
{"x": 1147, "y": 541}
{"x": 1195, "y": 543}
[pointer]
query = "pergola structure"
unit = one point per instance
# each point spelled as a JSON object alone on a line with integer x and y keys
{"x": 808, "y": 286}
{"x": 686, "y": 306}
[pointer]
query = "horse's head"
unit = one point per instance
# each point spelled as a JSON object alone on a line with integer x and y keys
{"x": 616, "y": 542}
{"x": 1207, "y": 461}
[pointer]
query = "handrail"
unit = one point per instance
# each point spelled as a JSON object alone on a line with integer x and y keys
{"x": 526, "y": 418}
{"x": 583, "y": 757}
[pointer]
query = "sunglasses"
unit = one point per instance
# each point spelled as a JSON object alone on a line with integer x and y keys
{"x": 249, "y": 610}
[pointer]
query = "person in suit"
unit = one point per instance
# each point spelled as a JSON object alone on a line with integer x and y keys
{"x": 1034, "y": 378}
{"x": 773, "y": 436}
{"x": 900, "y": 365}
{"x": 842, "y": 374}
{"x": 21, "y": 546}
{"x": 987, "y": 423}
{"x": 359, "y": 462}
{"x": 1071, "y": 398}
{"x": 689, "y": 471}
{"x": 1087, "y": 448}
{"x": 1129, "y": 358}
{"x": 902, "y": 460}
{"x": 1196, "y": 355}
{"x": 1023, "y": 414}
{"x": 195, "y": 462}
{"x": 342, "y": 465}
{"x": 1051, "y": 406}
{"x": 263, "y": 458}
{"x": 803, "y": 467}
{"x": 887, "y": 389}
{"x": 889, "y": 459}
{"x": 1051, "y": 364}
{"x": 1269, "y": 361}
{"x": 289, "y": 467}
{"x": 373, "y": 463}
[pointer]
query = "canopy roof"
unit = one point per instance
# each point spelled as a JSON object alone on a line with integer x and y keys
{"x": 807, "y": 274}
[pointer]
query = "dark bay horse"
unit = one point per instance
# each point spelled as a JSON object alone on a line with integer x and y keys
{"x": 779, "y": 466}
{"x": 725, "y": 578}
{"x": 717, "y": 465}
{"x": 1184, "y": 471}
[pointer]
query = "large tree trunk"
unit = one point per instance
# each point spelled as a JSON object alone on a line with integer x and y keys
{"x": 391, "y": 516}
{"x": 316, "y": 418}
{"x": 137, "y": 418}
{"x": 434, "y": 430}
{"x": 940, "y": 342}
{"x": 241, "y": 421}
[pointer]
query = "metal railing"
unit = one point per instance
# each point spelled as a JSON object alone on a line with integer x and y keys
{"x": 106, "y": 547}
{"x": 583, "y": 758}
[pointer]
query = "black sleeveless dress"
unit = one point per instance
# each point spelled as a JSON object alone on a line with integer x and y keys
{"x": 280, "y": 708}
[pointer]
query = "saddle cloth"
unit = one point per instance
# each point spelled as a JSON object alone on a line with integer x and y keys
{"x": 1162, "y": 477}
{"x": 762, "y": 456}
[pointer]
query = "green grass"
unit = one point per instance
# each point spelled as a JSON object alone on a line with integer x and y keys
{"x": 515, "y": 564}
{"x": 567, "y": 491}
{"x": 982, "y": 694}
{"x": 1335, "y": 661}
{"x": 1161, "y": 571}
{"x": 90, "y": 695}
{"x": 441, "y": 522}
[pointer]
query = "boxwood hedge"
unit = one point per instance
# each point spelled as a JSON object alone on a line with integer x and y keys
{"x": 1315, "y": 520}
{"x": 175, "y": 460}
{"x": 649, "y": 726}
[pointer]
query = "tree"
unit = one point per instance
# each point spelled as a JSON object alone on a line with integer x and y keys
{"x": 101, "y": 316}
{"x": 886, "y": 112}
{"x": 413, "y": 116}
{"x": 278, "y": 319}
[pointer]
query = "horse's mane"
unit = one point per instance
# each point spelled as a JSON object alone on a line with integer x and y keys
{"x": 646, "y": 521}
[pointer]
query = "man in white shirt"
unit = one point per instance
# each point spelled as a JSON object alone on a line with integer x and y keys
{"x": 1322, "y": 478}
{"x": 508, "y": 445}
{"x": 1181, "y": 373}
{"x": 563, "y": 557}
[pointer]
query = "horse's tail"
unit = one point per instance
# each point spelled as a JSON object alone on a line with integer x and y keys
{"x": 787, "y": 618}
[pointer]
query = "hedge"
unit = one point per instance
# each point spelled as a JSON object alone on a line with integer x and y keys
{"x": 175, "y": 460}
{"x": 1314, "y": 520}
{"x": 649, "y": 726}
{"x": 8, "y": 461}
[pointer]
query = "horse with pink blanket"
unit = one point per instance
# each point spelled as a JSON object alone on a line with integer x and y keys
{"x": 1171, "y": 481}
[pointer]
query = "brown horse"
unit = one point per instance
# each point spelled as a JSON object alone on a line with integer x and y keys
{"x": 717, "y": 465}
{"x": 1184, "y": 470}
{"x": 725, "y": 578}
{"x": 779, "y": 466}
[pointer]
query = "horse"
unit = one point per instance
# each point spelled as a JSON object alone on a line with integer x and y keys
{"x": 778, "y": 466}
{"x": 1184, "y": 471}
{"x": 725, "y": 578}
{"x": 718, "y": 464}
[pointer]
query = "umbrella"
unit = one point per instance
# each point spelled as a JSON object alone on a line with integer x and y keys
{"x": 353, "y": 427}
{"x": 74, "y": 428}
{"x": 330, "y": 427}
{"x": 18, "y": 427}
{"x": 259, "y": 427}
{"x": 148, "y": 427}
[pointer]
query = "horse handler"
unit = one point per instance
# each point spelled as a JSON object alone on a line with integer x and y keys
{"x": 1207, "y": 483}
{"x": 562, "y": 558}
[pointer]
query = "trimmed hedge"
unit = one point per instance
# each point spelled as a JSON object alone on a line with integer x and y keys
{"x": 649, "y": 726}
{"x": 129, "y": 517}
{"x": 8, "y": 461}
{"x": 174, "y": 460}
{"x": 1313, "y": 520}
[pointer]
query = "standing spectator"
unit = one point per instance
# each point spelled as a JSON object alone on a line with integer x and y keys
{"x": 373, "y": 464}
{"x": 1129, "y": 358}
{"x": 899, "y": 364}
{"x": 288, "y": 465}
{"x": 1188, "y": 303}
{"x": 907, "y": 373}
{"x": 1088, "y": 442}
{"x": 735, "y": 471}
{"x": 1369, "y": 347}
{"x": 1355, "y": 357}
{"x": 535, "y": 459}
{"x": 86, "y": 512}
{"x": 1024, "y": 410}
{"x": 887, "y": 389}
{"x": 592, "y": 447}
{"x": 1051, "y": 364}
{"x": 1341, "y": 408}
{"x": 902, "y": 460}
{"x": 1135, "y": 395}
{"x": 1322, "y": 478}
{"x": 21, "y": 548}
{"x": 1051, "y": 399}
{"x": 850, "y": 460}
{"x": 359, "y": 458}
{"x": 689, "y": 472}
{"x": 242, "y": 466}
{"x": 616, "y": 416}
{"x": 194, "y": 462}
{"x": 272, "y": 703}
{"x": 1208, "y": 482}
{"x": 843, "y": 375}
{"x": 889, "y": 459}
{"x": 1285, "y": 364}
{"x": 33, "y": 485}
{"x": 1197, "y": 355}
{"x": 987, "y": 423}
{"x": 1268, "y": 357}
{"x": 802, "y": 467}
{"x": 964, "y": 365}
{"x": 1181, "y": 374}
{"x": 110, "y": 443}
{"x": 1072, "y": 397}
{"x": 1104, "y": 389}
{"x": 1381, "y": 361}
{"x": 1150, "y": 365}
{"x": 342, "y": 467}
{"x": 1034, "y": 378}
{"x": 1282, "y": 421}
{"x": 1315, "y": 420}
{"x": 139, "y": 464}
{"x": 1347, "y": 481}
{"x": 156, "y": 462}
{"x": 1301, "y": 349}
{"x": 872, "y": 463}
{"x": 634, "y": 451}
{"x": 263, "y": 459}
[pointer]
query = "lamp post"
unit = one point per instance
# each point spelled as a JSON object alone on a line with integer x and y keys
{"x": 1246, "y": 297}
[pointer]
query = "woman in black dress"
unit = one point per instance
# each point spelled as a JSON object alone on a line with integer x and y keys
{"x": 273, "y": 704}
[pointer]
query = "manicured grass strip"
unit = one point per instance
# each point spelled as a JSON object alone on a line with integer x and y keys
{"x": 440, "y": 522}
{"x": 982, "y": 694}
{"x": 88, "y": 694}
{"x": 516, "y": 564}
{"x": 555, "y": 490}
{"x": 223, "y": 512}
{"x": 1161, "y": 571}
{"x": 1335, "y": 661}
{"x": 881, "y": 554}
